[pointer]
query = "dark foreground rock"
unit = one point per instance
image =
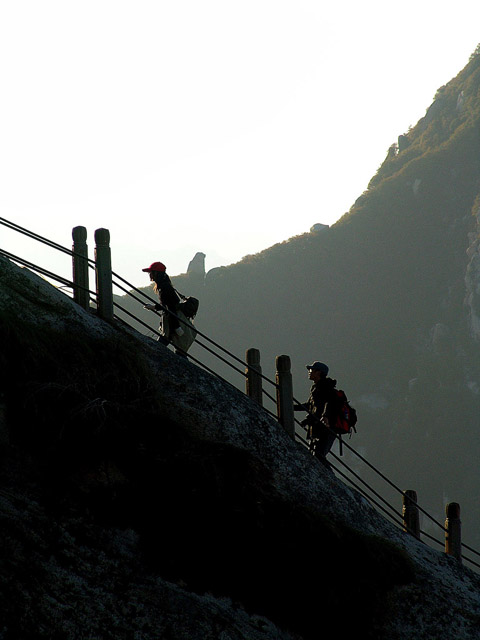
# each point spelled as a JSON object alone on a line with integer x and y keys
{"x": 142, "y": 497}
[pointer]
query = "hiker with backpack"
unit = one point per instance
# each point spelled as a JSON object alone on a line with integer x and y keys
{"x": 180, "y": 334}
{"x": 329, "y": 414}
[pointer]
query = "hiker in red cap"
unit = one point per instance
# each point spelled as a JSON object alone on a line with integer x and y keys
{"x": 168, "y": 299}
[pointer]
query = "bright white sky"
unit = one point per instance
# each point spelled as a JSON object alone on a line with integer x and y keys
{"x": 202, "y": 125}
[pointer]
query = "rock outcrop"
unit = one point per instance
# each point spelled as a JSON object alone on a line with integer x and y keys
{"x": 142, "y": 497}
{"x": 196, "y": 265}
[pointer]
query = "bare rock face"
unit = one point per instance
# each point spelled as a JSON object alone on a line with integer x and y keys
{"x": 141, "y": 496}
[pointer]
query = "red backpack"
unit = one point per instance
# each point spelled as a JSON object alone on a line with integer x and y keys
{"x": 346, "y": 416}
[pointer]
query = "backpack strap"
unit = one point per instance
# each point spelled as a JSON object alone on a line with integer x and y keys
{"x": 180, "y": 294}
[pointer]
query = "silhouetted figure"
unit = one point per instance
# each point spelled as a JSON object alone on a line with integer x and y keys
{"x": 167, "y": 296}
{"x": 322, "y": 407}
{"x": 180, "y": 334}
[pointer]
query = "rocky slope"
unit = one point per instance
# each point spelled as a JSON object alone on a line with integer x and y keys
{"x": 142, "y": 497}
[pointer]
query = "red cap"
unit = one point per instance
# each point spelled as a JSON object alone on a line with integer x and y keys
{"x": 156, "y": 266}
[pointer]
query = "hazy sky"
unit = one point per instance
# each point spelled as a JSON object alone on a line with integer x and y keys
{"x": 215, "y": 126}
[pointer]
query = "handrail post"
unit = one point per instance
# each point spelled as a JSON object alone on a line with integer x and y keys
{"x": 283, "y": 379}
{"x": 103, "y": 270}
{"x": 80, "y": 267}
{"x": 253, "y": 376}
{"x": 453, "y": 531}
{"x": 411, "y": 518}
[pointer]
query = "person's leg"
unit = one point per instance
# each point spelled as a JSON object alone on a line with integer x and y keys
{"x": 323, "y": 444}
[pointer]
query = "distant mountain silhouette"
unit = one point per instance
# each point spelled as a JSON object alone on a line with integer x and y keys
{"x": 389, "y": 297}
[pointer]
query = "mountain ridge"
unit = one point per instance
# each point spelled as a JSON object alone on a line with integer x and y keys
{"x": 388, "y": 297}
